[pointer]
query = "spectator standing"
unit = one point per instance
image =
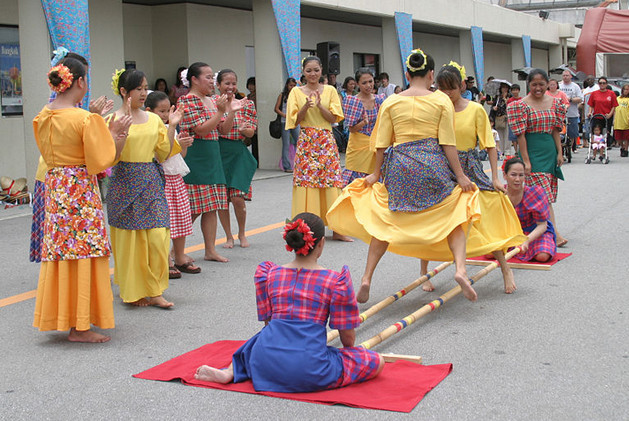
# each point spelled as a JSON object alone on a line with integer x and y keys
{"x": 603, "y": 102}
{"x": 589, "y": 86}
{"x": 621, "y": 123}
{"x": 473, "y": 89}
{"x": 178, "y": 89}
{"x": 386, "y": 87}
{"x": 575, "y": 97}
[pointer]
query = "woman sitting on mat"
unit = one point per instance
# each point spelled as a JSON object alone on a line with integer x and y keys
{"x": 531, "y": 205}
{"x": 295, "y": 300}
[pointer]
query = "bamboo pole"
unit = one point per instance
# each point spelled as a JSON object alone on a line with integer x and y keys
{"x": 333, "y": 334}
{"x": 412, "y": 318}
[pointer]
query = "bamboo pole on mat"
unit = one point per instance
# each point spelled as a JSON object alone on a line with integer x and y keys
{"x": 333, "y": 334}
{"x": 411, "y": 318}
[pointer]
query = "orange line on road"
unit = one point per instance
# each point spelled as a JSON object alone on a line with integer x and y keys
{"x": 31, "y": 294}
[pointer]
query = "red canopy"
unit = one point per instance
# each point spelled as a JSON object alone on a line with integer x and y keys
{"x": 604, "y": 31}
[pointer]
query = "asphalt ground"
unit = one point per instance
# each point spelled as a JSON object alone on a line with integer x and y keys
{"x": 557, "y": 349}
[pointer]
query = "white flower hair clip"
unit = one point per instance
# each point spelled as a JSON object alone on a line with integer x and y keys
{"x": 184, "y": 78}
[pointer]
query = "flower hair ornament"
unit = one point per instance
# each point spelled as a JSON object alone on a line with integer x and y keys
{"x": 59, "y": 53}
{"x": 66, "y": 78}
{"x": 302, "y": 227}
{"x": 408, "y": 59}
{"x": 460, "y": 68}
{"x": 184, "y": 78}
{"x": 115, "y": 78}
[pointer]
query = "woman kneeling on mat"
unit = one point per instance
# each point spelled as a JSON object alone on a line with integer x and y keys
{"x": 290, "y": 353}
{"x": 531, "y": 205}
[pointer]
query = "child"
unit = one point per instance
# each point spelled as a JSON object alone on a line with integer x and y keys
{"x": 290, "y": 353}
{"x": 515, "y": 96}
{"x": 598, "y": 142}
{"x": 176, "y": 193}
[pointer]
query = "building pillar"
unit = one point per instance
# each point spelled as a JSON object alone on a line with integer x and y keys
{"x": 391, "y": 59}
{"x": 269, "y": 80}
{"x": 517, "y": 61}
{"x": 35, "y": 60}
{"x": 466, "y": 53}
{"x": 554, "y": 56}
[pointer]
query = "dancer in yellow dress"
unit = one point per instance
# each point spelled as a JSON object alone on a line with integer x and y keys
{"x": 137, "y": 208}
{"x": 317, "y": 177}
{"x": 426, "y": 203}
{"x": 499, "y": 227}
{"x": 74, "y": 290}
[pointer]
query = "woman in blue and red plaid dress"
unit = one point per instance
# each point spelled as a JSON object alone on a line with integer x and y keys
{"x": 360, "y": 113}
{"x": 532, "y": 207}
{"x": 290, "y": 354}
{"x": 536, "y": 120}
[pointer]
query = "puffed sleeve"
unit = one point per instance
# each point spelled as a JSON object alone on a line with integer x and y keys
{"x": 162, "y": 147}
{"x": 194, "y": 113}
{"x": 517, "y": 115}
{"x": 335, "y": 106}
{"x": 383, "y": 135}
{"x": 537, "y": 204}
{"x": 483, "y": 130}
{"x": 353, "y": 110}
{"x": 292, "y": 109}
{"x": 251, "y": 113}
{"x": 262, "y": 297}
{"x": 343, "y": 307}
{"x": 98, "y": 145}
{"x": 560, "y": 113}
{"x": 445, "y": 130}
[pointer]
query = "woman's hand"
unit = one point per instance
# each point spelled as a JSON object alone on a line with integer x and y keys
{"x": 235, "y": 105}
{"x": 221, "y": 103}
{"x": 175, "y": 115}
{"x": 101, "y": 106}
{"x": 247, "y": 130}
{"x": 184, "y": 139}
{"x": 524, "y": 247}
{"x": 498, "y": 186}
{"x": 119, "y": 127}
{"x": 316, "y": 98}
{"x": 527, "y": 168}
{"x": 465, "y": 183}
{"x": 371, "y": 179}
{"x": 560, "y": 159}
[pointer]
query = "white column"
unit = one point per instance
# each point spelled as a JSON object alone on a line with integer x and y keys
{"x": 466, "y": 53}
{"x": 391, "y": 61}
{"x": 269, "y": 79}
{"x": 517, "y": 61}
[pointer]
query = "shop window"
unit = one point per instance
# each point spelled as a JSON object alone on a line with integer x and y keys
{"x": 10, "y": 71}
{"x": 370, "y": 61}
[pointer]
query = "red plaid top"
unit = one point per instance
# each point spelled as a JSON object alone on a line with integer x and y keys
{"x": 196, "y": 113}
{"x": 306, "y": 295}
{"x": 524, "y": 119}
{"x": 246, "y": 115}
{"x": 354, "y": 111}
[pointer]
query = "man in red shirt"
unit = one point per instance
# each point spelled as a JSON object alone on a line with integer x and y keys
{"x": 603, "y": 103}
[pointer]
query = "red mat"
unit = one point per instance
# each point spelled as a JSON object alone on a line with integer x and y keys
{"x": 558, "y": 257}
{"x": 399, "y": 387}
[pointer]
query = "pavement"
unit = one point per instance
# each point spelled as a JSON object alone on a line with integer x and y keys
{"x": 557, "y": 349}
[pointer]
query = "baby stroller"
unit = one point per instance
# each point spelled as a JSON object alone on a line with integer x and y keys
{"x": 595, "y": 121}
{"x": 566, "y": 144}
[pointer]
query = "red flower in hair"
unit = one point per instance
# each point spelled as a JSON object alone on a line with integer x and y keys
{"x": 506, "y": 158}
{"x": 308, "y": 237}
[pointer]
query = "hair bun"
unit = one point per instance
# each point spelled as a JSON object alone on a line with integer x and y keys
{"x": 416, "y": 60}
{"x": 54, "y": 78}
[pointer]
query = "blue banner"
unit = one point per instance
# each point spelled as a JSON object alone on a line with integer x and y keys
{"x": 404, "y": 29}
{"x": 526, "y": 43}
{"x": 288, "y": 18}
{"x": 69, "y": 27}
{"x": 479, "y": 56}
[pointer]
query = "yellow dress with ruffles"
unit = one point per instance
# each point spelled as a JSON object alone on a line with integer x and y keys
{"x": 141, "y": 256}
{"x": 363, "y": 211}
{"x": 317, "y": 176}
{"x": 74, "y": 293}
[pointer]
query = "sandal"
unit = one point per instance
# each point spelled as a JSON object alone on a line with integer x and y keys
{"x": 188, "y": 267}
{"x": 173, "y": 273}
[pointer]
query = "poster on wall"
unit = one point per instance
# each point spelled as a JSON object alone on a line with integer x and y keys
{"x": 10, "y": 79}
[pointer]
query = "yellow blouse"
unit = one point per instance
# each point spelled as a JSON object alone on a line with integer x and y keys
{"x": 621, "y": 117}
{"x": 73, "y": 136}
{"x": 403, "y": 119}
{"x": 329, "y": 99}
{"x": 147, "y": 141}
{"x": 471, "y": 124}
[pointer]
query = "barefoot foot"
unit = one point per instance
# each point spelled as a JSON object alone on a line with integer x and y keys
{"x": 160, "y": 302}
{"x": 87, "y": 336}
{"x": 229, "y": 244}
{"x": 206, "y": 373}
{"x": 338, "y": 237}
{"x": 466, "y": 287}
{"x": 142, "y": 302}
{"x": 215, "y": 257}
{"x": 363, "y": 292}
{"x": 509, "y": 279}
{"x": 244, "y": 243}
{"x": 428, "y": 286}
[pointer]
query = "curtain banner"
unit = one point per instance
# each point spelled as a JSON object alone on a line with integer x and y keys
{"x": 288, "y": 19}
{"x": 69, "y": 27}
{"x": 526, "y": 43}
{"x": 479, "y": 56}
{"x": 404, "y": 29}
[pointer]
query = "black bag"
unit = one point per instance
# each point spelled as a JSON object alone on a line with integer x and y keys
{"x": 275, "y": 127}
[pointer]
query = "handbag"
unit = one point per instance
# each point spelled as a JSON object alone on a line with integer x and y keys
{"x": 500, "y": 121}
{"x": 275, "y": 127}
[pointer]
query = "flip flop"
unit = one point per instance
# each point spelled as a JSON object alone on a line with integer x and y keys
{"x": 173, "y": 273}
{"x": 185, "y": 268}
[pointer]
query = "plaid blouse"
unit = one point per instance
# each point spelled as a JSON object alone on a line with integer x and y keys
{"x": 524, "y": 119}
{"x": 246, "y": 115}
{"x": 533, "y": 207}
{"x": 306, "y": 295}
{"x": 354, "y": 111}
{"x": 196, "y": 113}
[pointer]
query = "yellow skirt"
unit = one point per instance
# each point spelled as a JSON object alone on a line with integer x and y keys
{"x": 316, "y": 201}
{"x": 359, "y": 157}
{"x": 74, "y": 293}
{"x": 140, "y": 262}
{"x": 363, "y": 212}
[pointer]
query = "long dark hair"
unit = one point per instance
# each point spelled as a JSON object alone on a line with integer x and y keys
{"x": 178, "y": 77}
{"x": 449, "y": 77}
{"x": 130, "y": 79}
{"x": 285, "y": 90}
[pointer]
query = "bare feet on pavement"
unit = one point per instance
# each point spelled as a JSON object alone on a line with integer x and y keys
{"x": 428, "y": 286}
{"x": 466, "y": 287}
{"x": 363, "y": 292}
{"x": 229, "y": 244}
{"x": 206, "y": 373}
{"x": 142, "y": 302}
{"x": 244, "y": 243}
{"x": 160, "y": 301}
{"x": 215, "y": 257}
{"x": 509, "y": 279}
{"x": 87, "y": 336}
{"x": 338, "y": 237}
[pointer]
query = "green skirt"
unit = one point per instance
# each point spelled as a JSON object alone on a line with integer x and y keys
{"x": 204, "y": 160}
{"x": 543, "y": 154}
{"x": 239, "y": 166}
